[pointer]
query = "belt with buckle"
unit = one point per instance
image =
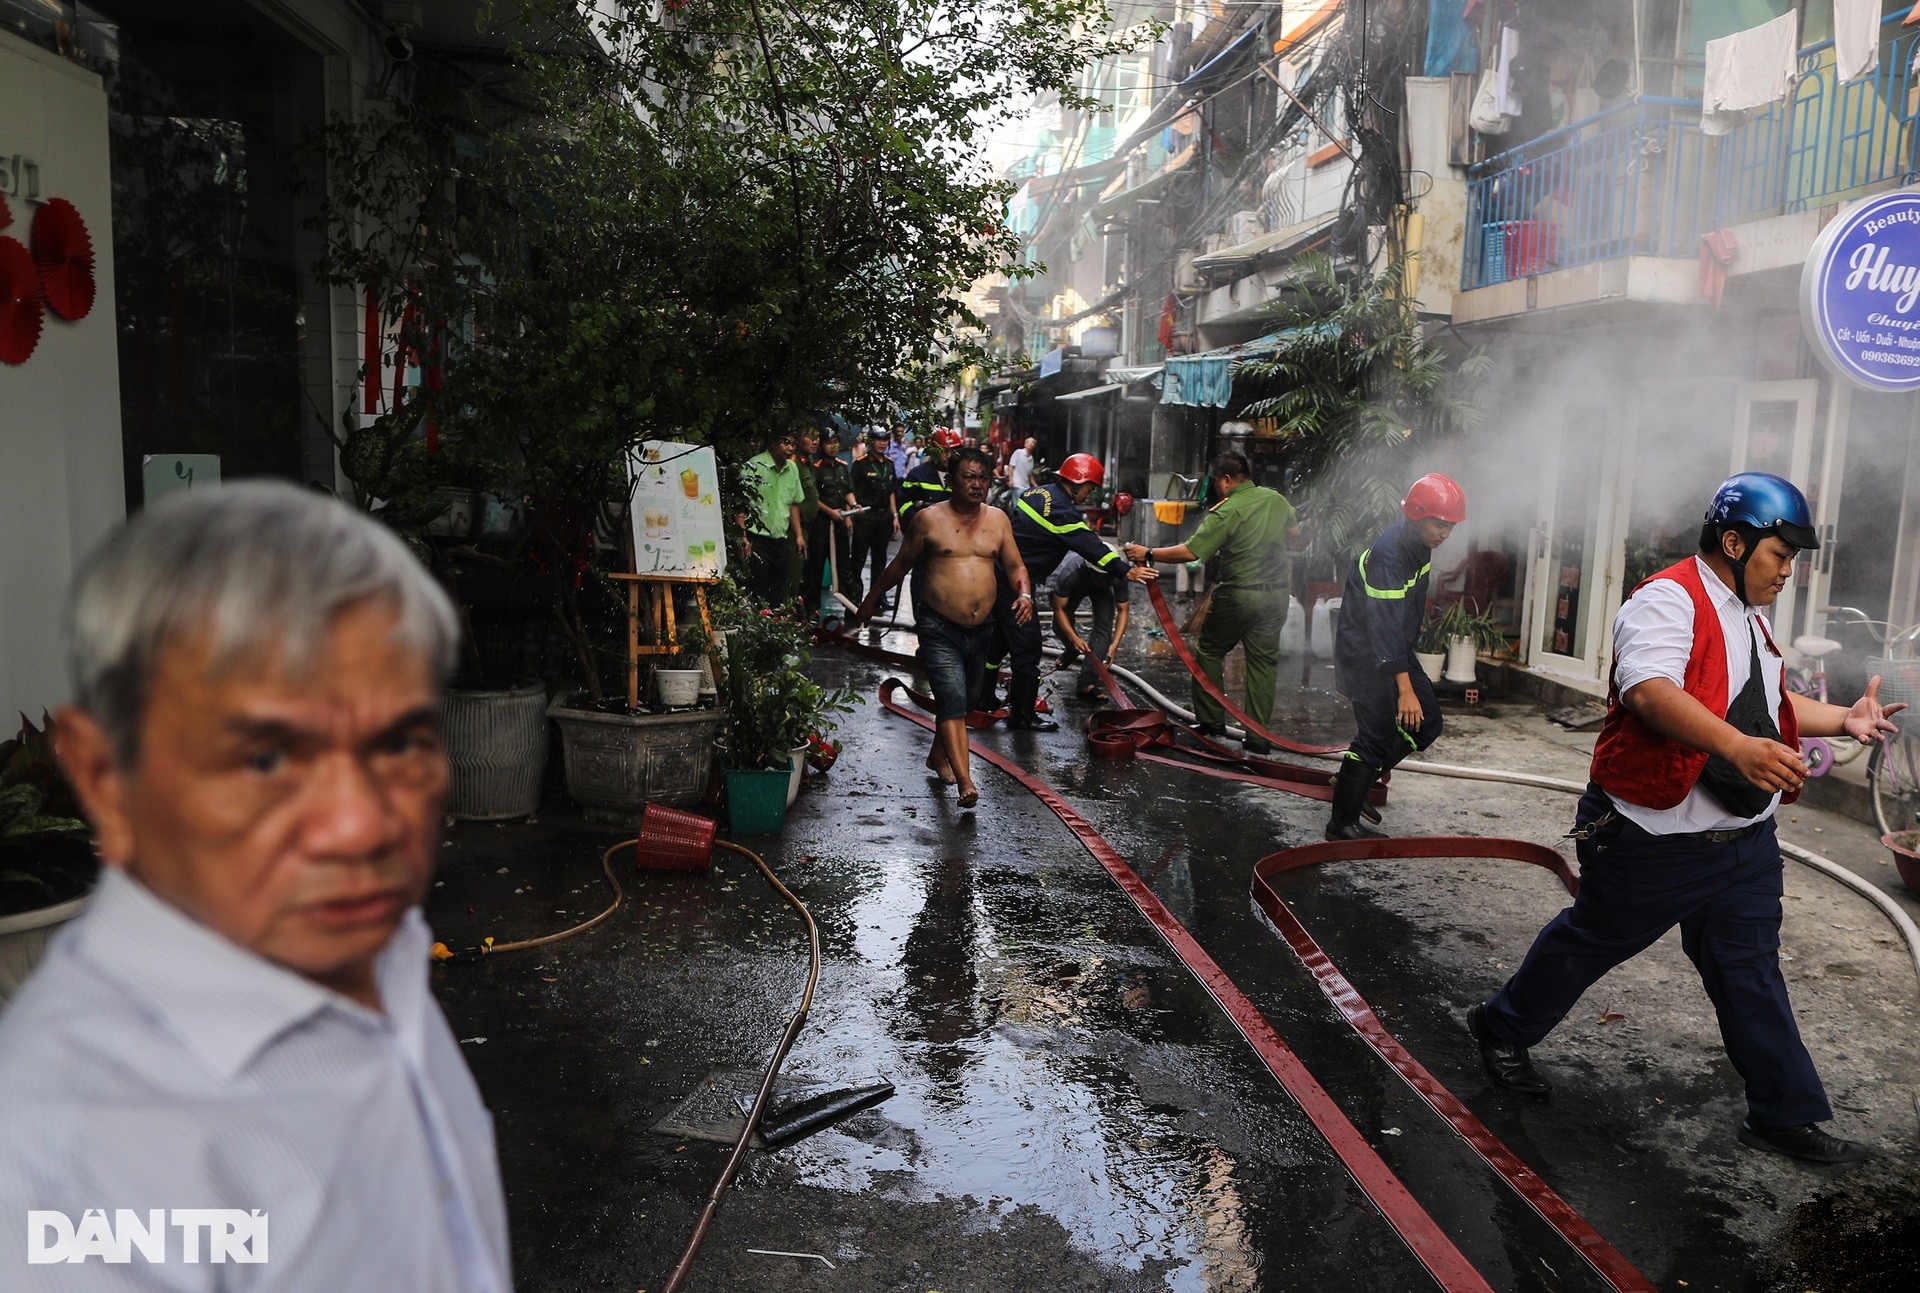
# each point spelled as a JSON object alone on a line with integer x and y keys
{"x": 1728, "y": 835}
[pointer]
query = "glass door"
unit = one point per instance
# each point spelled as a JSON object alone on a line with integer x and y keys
{"x": 1573, "y": 543}
{"x": 1773, "y": 431}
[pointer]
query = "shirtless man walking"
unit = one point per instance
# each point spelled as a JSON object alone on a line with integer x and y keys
{"x": 961, "y": 541}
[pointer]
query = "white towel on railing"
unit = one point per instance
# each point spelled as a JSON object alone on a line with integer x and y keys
{"x": 1856, "y": 37}
{"x": 1747, "y": 70}
{"x": 1504, "y": 99}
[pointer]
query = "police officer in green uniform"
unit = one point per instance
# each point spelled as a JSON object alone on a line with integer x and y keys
{"x": 809, "y": 446}
{"x": 876, "y": 487}
{"x": 832, "y": 526}
{"x": 1248, "y": 530}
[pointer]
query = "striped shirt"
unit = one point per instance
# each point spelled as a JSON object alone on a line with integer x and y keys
{"x": 149, "y": 1063}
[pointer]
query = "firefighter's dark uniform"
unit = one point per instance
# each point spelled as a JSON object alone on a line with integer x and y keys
{"x": 922, "y": 488}
{"x": 1381, "y": 608}
{"x": 874, "y": 484}
{"x": 1047, "y": 526}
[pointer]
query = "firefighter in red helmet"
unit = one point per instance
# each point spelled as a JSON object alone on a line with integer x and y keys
{"x": 1047, "y": 525}
{"x": 1385, "y": 599}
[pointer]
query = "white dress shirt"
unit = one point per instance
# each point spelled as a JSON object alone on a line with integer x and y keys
{"x": 1652, "y": 638}
{"x": 150, "y": 1063}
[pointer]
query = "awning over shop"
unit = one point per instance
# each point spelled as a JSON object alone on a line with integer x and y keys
{"x": 1091, "y": 393}
{"x": 1127, "y": 376}
{"x": 1205, "y": 380}
{"x": 1279, "y": 245}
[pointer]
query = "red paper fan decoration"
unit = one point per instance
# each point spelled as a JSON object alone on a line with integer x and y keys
{"x": 64, "y": 251}
{"x": 21, "y": 303}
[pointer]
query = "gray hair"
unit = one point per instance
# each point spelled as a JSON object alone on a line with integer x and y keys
{"x": 259, "y": 567}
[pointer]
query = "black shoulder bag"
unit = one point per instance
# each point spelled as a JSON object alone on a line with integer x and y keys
{"x": 1750, "y": 716}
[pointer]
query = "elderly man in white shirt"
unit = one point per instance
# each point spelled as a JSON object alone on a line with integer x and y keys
{"x": 233, "y": 1054}
{"x": 1699, "y": 746}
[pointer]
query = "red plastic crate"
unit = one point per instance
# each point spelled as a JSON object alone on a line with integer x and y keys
{"x": 672, "y": 840}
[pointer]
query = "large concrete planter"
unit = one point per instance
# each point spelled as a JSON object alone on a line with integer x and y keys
{"x": 617, "y": 763}
{"x": 24, "y": 938}
{"x": 497, "y": 746}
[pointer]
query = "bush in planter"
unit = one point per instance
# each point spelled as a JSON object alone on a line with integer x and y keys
{"x": 772, "y": 706}
{"x": 46, "y": 857}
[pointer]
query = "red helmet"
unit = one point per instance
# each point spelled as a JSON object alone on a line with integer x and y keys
{"x": 1081, "y": 468}
{"x": 948, "y": 438}
{"x": 1436, "y": 496}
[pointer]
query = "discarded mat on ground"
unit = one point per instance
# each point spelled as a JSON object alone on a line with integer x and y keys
{"x": 1422, "y": 1235}
{"x": 1181, "y": 649}
{"x": 1605, "y": 1260}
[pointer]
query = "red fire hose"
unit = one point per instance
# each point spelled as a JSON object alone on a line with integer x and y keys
{"x": 1604, "y": 1258}
{"x": 1422, "y": 1235}
{"x": 1206, "y": 684}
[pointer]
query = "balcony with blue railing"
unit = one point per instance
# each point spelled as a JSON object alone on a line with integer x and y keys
{"x": 1642, "y": 180}
{"x": 1630, "y": 181}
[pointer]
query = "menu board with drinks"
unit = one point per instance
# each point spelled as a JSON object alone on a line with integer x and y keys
{"x": 677, "y": 528}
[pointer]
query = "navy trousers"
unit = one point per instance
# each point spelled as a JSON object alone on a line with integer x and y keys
{"x": 1725, "y": 898}
{"x": 1379, "y": 741}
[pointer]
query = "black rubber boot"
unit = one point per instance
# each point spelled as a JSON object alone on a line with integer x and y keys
{"x": 1022, "y": 692}
{"x": 1350, "y": 786}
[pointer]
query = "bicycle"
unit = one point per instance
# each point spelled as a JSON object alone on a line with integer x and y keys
{"x": 1893, "y": 768}
{"x": 1807, "y": 675}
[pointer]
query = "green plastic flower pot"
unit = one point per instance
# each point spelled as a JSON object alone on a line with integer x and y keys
{"x": 757, "y": 800}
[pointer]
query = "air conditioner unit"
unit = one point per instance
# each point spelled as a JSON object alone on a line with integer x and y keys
{"x": 1185, "y": 277}
{"x": 1245, "y": 226}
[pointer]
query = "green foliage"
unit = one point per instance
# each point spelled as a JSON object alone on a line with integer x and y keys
{"x": 1358, "y": 388}
{"x": 37, "y": 811}
{"x": 694, "y": 225}
{"x": 772, "y": 705}
{"x": 1442, "y": 626}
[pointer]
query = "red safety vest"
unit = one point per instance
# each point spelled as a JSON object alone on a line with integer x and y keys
{"x": 1633, "y": 762}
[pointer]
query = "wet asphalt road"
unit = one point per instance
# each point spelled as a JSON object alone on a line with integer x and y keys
{"x": 1073, "y": 1112}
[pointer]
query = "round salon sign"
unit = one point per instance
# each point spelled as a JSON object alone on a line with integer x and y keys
{"x": 1860, "y": 293}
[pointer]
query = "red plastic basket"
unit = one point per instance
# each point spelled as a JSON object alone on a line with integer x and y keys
{"x": 672, "y": 840}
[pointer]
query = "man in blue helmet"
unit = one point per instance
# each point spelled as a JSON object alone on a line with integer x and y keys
{"x": 1699, "y": 746}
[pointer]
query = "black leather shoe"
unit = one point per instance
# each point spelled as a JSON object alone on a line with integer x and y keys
{"x": 1210, "y": 729}
{"x": 1507, "y": 1065}
{"x": 1256, "y": 745}
{"x": 1807, "y": 1143}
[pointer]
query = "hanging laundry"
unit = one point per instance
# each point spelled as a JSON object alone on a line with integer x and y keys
{"x": 1718, "y": 252}
{"x": 1856, "y": 37}
{"x": 1451, "y": 43}
{"x": 1748, "y": 70}
{"x": 1504, "y": 98}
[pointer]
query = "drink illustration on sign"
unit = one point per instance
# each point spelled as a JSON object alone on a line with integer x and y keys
{"x": 675, "y": 511}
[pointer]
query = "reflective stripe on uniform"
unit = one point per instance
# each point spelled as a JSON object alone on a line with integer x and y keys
{"x": 1389, "y": 594}
{"x": 1073, "y": 527}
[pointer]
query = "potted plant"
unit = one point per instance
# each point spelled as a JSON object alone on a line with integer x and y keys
{"x": 773, "y": 711}
{"x": 47, "y": 862}
{"x": 1460, "y": 635}
{"x": 1431, "y": 650}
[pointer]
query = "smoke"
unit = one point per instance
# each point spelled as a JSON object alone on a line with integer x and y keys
{"x": 1620, "y": 434}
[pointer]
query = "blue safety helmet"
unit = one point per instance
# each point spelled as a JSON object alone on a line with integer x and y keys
{"x": 1769, "y": 504}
